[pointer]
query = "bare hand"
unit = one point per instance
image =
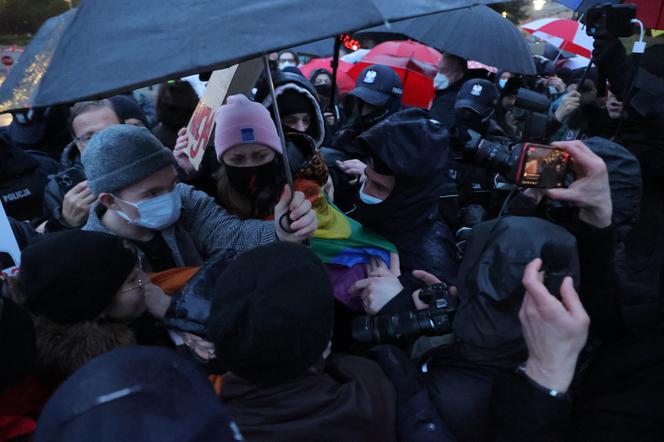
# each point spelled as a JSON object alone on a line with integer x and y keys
{"x": 352, "y": 167}
{"x": 203, "y": 349}
{"x": 329, "y": 118}
{"x": 590, "y": 190}
{"x": 303, "y": 218}
{"x": 76, "y": 204}
{"x": 178, "y": 152}
{"x": 555, "y": 332}
{"x": 156, "y": 300}
{"x": 556, "y": 82}
{"x": 379, "y": 288}
{"x": 569, "y": 104}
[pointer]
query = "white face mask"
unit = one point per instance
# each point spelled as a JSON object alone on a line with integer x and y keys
{"x": 441, "y": 82}
{"x": 502, "y": 82}
{"x": 368, "y": 199}
{"x": 156, "y": 213}
{"x": 284, "y": 64}
{"x": 553, "y": 91}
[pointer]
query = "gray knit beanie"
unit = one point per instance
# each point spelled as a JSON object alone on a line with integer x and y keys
{"x": 122, "y": 155}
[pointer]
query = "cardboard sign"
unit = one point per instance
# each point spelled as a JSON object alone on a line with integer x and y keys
{"x": 8, "y": 242}
{"x": 237, "y": 79}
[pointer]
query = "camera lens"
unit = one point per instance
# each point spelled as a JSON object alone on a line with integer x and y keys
{"x": 498, "y": 158}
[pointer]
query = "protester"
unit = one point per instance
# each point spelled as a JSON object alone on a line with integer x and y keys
{"x": 129, "y": 111}
{"x": 113, "y": 392}
{"x": 540, "y": 319}
{"x": 176, "y": 102}
{"x": 88, "y": 301}
{"x": 67, "y": 198}
{"x": 298, "y": 105}
{"x": 452, "y": 72}
{"x": 272, "y": 330}
{"x": 287, "y": 59}
{"x": 399, "y": 198}
{"x": 172, "y": 225}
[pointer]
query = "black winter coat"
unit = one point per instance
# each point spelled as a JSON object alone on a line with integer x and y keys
{"x": 23, "y": 176}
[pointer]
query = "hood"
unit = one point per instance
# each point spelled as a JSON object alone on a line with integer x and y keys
{"x": 409, "y": 144}
{"x": 414, "y": 149}
{"x": 286, "y": 81}
{"x": 624, "y": 180}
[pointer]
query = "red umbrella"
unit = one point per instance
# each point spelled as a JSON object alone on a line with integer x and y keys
{"x": 345, "y": 82}
{"x": 565, "y": 34}
{"x": 415, "y": 63}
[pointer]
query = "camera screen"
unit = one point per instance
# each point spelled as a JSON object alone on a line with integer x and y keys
{"x": 543, "y": 166}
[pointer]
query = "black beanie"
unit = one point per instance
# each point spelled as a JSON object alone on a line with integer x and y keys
{"x": 272, "y": 313}
{"x": 126, "y": 107}
{"x": 294, "y": 102}
{"x": 73, "y": 276}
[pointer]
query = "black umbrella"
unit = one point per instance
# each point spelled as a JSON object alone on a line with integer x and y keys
{"x": 112, "y": 46}
{"x": 476, "y": 33}
{"x": 321, "y": 48}
{"x": 19, "y": 88}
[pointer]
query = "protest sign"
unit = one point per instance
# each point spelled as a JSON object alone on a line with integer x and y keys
{"x": 237, "y": 79}
{"x": 8, "y": 244}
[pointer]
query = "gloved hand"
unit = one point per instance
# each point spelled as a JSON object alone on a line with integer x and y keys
{"x": 610, "y": 57}
{"x": 398, "y": 368}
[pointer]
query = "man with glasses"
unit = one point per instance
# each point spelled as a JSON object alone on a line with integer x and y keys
{"x": 67, "y": 198}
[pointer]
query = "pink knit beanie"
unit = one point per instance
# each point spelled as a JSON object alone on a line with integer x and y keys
{"x": 241, "y": 121}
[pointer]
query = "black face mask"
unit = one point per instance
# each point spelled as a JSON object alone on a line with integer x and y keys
{"x": 466, "y": 119}
{"x": 251, "y": 180}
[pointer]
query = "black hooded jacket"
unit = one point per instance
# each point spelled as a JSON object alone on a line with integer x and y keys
{"x": 289, "y": 81}
{"x": 414, "y": 149}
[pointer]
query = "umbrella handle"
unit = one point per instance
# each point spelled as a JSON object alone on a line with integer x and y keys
{"x": 285, "y": 222}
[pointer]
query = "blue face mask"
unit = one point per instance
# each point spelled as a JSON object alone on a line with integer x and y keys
{"x": 553, "y": 91}
{"x": 502, "y": 82}
{"x": 368, "y": 199}
{"x": 441, "y": 82}
{"x": 156, "y": 213}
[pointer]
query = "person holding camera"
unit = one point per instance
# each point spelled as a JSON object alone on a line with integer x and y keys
{"x": 612, "y": 390}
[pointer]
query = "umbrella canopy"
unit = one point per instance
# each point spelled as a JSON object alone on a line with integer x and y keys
{"x": 113, "y": 46}
{"x": 564, "y": 34}
{"x": 320, "y": 48}
{"x": 475, "y": 33}
{"x": 406, "y": 49}
{"x": 345, "y": 82}
{"x": 415, "y": 63}
{"x": 22, "y": 83}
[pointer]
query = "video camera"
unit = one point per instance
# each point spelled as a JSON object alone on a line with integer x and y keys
{"x": 616, "y": 19}
{"x": 527, "y": 164}
{"x": 402, "y": 327}
{"x": 531, "y": 110}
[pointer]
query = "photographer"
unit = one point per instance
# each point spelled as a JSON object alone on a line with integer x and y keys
{"x": 614, "y": 391}
{"x": 461, "y": 387}
{"x": 639, "y": 84}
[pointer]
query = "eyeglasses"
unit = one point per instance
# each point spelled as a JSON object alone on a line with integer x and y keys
{"x": 139, "y": 286}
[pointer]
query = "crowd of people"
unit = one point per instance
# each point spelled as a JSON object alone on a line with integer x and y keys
{"x": 404, "y": 287}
